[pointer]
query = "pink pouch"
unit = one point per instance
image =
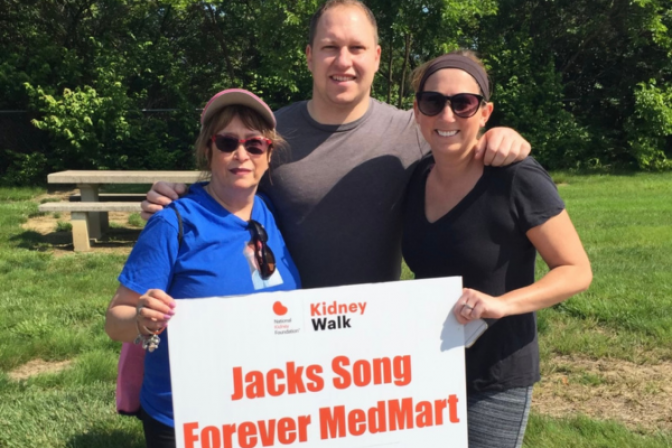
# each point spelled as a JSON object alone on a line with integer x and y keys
{"x": 129, "y": 378}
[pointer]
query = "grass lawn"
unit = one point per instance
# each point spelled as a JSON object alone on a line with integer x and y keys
{"x": 606, "y": 354}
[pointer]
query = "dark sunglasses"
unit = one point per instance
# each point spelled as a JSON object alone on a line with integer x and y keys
{"x": 264, "y": 256}
{"x": 255, "y": 146}
{"x": 463, "y": 105}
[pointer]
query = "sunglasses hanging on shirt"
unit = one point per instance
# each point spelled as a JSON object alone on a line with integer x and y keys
{"x": 262, "y": 252}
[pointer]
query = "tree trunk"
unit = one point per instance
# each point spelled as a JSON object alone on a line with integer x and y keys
{"x": 389, "y": 75}
{"x": 407, "y": 52}
{"x": 222, "y": 44}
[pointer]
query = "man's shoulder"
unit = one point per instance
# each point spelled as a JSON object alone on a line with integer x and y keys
{"x": 386, "y": 109}
{"x": 290, "y": 110}
{"x": 379, "y": 110}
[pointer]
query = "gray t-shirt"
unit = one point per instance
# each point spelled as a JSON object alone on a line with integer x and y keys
{"x": 338, "y": 192}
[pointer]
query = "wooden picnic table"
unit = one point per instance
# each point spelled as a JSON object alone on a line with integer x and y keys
{"x": 89, "y": 182}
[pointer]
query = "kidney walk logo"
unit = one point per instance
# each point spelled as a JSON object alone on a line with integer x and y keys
{"x": 284, "y": 321}
{"x": 334, "y": 315}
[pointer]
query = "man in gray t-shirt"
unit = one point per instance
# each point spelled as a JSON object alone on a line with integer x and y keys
{"x": 338, "y": 193}
{"x": 338, "y": 189}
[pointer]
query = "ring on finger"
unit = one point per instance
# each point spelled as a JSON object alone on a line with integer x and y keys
{"x": 469, "y": 307}
{"x": 138, "y": 310}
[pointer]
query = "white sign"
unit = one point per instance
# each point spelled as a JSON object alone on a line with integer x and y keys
{"x": 353, "y": 366}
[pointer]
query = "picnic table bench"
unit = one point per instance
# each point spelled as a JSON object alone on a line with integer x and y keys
{"x": 89, "y": 210}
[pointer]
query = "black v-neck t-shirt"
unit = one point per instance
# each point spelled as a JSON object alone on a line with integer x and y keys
{"x": 483, "y": 239}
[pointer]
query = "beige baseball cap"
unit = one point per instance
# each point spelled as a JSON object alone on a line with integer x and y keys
{"x": 240, "y": 97}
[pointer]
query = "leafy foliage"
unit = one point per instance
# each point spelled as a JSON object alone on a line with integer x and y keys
{"x": 119, "y": 83}
{"x": 579, "y": 61}
{"x": 650, "y": 125}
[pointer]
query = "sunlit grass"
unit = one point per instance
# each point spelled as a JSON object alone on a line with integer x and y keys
{"x": 625, "y": 223}
{"x": 582, "y": 432}
{"x": 52, "y": 308}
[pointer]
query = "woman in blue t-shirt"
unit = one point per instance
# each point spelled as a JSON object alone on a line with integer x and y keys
{"x": 218, "y": 240}
{"x": 486, "y": 224}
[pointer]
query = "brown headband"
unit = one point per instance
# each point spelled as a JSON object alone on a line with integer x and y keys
{"x": 460, "y": 62}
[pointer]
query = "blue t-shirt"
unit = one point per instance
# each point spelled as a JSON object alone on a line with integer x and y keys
{"x": 214, "y": 259}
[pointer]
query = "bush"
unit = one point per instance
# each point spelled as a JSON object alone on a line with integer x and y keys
{"x": 650, "y": 125}
{"x": 24, "y": 169}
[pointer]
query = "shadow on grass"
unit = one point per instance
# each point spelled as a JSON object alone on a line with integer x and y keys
{"x": 100, "y": 438}
{"x": 114, "y": 238}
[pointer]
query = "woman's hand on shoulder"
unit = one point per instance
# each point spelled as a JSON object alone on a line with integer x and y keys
{"x": 474, "y": 305}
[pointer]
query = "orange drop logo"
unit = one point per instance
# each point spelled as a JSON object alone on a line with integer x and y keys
{"x": 279, "y": 309}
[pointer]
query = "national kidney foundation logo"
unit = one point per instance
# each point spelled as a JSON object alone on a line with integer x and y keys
{"x": 279, "y": 309}
{"x": 285, "y": 320}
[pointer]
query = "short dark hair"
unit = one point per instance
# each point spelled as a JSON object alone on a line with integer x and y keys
{"x": 329, "y": 4}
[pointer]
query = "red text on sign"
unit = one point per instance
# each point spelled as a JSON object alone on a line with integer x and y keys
{"x": 377, "y": 371}
{"x": 324, "y": 309}
{"x": 255, "y": 384}
{"x": 390, "y": 415}
{"x": 247, "y": 434}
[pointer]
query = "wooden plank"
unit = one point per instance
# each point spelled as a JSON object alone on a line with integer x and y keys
{"x": 90, "y": 207}
{"x": 122, "y": 177}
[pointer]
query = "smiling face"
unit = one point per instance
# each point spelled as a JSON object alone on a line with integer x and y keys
{"x": 343, "y": 59}
{"x": 445, "y": 132}
{"x": 238, "y": 169}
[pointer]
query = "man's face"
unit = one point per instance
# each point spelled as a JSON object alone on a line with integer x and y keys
{"x": 343, "y": 58}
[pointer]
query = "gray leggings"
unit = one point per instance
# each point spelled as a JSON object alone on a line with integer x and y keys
{"x": 498, "y": 419}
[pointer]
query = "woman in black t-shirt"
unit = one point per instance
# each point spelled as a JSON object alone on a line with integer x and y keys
{"x": 486, "y": 224}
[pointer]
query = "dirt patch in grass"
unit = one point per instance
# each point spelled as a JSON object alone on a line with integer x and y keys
{"x": 639, "y": 396}
{"x": 118, "y": 239}
{"x": 36, "y": 367}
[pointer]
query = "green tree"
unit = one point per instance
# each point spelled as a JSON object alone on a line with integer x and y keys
{"x": 650, "y": 126}
{"x": 586, "y": 81}
{"x": 413, "y": 31}
{"x": 584, "y": 59}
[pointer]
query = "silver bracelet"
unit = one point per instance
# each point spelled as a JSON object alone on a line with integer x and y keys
{"x": 149, "y": 342}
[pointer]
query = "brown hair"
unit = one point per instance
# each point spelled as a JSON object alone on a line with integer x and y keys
{"x": 221, "y": 119}
{"x": 329, "y": 4}
{"x": 419, "y": 72}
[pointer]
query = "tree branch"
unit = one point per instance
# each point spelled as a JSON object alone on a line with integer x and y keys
{"x": 407, "y": 53}
{"x": 220, "y": 39}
